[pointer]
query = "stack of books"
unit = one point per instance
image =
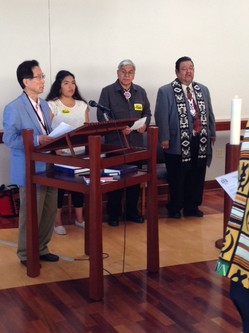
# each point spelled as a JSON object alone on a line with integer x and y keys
{"x": 70, "y": 169}
{"x": 120, "y": 170}
{"x": 114, "y": 174}
{"x": 103, "y": 179}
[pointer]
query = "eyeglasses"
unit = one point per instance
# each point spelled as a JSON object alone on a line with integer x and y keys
{"x": 185, "y": 69}
{"x": 127, "y": 73}
{"x": 38, "y": 77}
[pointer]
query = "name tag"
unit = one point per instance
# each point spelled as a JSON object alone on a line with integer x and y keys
{"x": 65, "y": 111}
{"x": 138, "y": 107}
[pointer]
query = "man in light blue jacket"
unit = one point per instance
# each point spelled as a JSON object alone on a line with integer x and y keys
{"x": 28, "y": 111}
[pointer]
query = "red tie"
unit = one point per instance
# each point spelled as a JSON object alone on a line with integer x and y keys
{"x": 196, "y": 114}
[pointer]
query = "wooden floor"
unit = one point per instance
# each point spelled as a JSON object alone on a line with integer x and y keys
{"x": 184, "y": 296}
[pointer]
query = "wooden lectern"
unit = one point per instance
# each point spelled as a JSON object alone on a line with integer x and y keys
{"x": 89, "y": 135}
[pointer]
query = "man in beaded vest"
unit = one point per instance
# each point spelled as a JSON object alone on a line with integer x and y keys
{"x": 186, "y": 123}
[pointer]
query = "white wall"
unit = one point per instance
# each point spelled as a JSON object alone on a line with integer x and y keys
{"x": 90, "y": 38}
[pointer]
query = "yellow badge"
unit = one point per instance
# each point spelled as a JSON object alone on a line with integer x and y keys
{"x": 138, "y": 107}
{"x": 65, "y": 111}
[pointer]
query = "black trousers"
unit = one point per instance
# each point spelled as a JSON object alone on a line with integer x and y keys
{"x": 77, "y": 198}
{"x": 130, "y": 200}
{"x": 186, "y": 180}
{"x": 240, "y": 297}
{"x": 130, "y": 196}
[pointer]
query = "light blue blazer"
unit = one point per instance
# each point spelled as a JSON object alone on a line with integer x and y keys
{"x": 18, "y": 115}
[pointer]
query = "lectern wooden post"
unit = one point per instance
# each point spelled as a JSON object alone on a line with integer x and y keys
{"x": 33, "y": 262}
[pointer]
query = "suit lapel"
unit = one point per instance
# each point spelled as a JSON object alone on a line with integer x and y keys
{"x": 30, "y": 111}
{"x": 46, "y": 115}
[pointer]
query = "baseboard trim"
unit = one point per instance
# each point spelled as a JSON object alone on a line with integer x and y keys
{"x": 208, "y": 185}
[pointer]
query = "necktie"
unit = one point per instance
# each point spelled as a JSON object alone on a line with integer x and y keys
{"x": 194, "y": 111}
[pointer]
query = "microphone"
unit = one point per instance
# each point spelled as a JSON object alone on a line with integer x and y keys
{"x": 97, "y": 105}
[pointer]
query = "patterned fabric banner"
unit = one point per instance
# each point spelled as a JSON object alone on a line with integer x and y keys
{"x": 233, "y": 261}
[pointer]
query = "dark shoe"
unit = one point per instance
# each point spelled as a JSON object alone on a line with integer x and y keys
{"x": 113, "y": 222}
{"x": 24, "y": 263}
{"x": 135, "y": 218}
{"x": 193, "y": 212}
{"x": 49, "y": 257}
{"x": 174, "y": 215}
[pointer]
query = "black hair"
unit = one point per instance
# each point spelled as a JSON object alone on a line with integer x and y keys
{"x": 24, "y": 71}
{"x": 55, "y": 91}
{"x": 185, "y": 58}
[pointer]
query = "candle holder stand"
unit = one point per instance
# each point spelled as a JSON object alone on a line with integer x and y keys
{"x": 231, "y": 164}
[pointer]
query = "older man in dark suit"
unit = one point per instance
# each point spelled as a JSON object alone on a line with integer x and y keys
{"x": 126, "y": 100}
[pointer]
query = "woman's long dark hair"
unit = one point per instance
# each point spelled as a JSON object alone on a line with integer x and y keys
{"x": 55, "y": 91}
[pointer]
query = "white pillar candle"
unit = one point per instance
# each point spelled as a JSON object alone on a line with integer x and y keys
{"x": 235, "y": 121}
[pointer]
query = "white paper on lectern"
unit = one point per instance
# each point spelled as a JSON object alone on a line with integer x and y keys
{"x": 138, "y": 123}
{"x": 61, "y": 129}
{"x": 229, "y": 182}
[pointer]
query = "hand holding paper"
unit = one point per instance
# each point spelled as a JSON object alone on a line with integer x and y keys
{"x": 139, "y": 123}
{"x": 61, "y": 129}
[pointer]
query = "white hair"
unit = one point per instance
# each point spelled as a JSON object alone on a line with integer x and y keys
{"x": 126, "y": 62}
